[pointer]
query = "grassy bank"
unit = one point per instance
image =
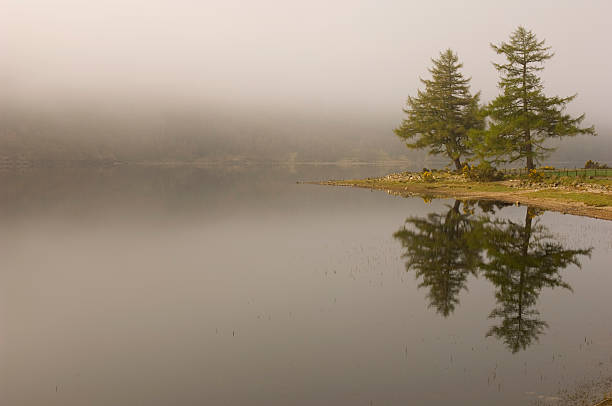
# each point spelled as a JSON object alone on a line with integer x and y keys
{"x": 583, "y": 195}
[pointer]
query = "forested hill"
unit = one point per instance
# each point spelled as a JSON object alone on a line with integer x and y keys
{"x": 69, "y": 134}
{"x": 213, "y": 134}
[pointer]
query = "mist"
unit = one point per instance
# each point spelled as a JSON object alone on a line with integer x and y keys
{"x": 267, "y": 80}
{"x": 204, "y": 202}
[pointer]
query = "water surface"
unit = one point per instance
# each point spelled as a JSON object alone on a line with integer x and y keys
{"x": 237, "y": 286}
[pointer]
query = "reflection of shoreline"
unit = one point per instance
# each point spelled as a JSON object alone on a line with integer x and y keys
{"x": 519, "y": 259}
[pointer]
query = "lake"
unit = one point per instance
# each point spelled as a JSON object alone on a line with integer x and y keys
{"x": 142, "y": 285}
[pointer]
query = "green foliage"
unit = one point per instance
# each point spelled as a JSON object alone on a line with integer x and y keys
{"x": 483, "y": 172}
{"x": 440, "y": 117}
{"x": 594, "y": 165}
{"x": 522, "y": 117}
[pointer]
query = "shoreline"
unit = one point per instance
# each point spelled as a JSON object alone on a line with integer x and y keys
{"x": 566, "y": 200}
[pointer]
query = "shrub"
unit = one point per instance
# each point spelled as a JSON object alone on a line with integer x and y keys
{"x": 552, "y": 180}
{"x": 427, "y": 176}
{"x": 594, "y": 165}
{"x": 535, "y": 176}
{"x": 483, "y": 172}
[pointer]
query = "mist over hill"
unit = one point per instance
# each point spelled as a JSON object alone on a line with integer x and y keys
{"x": 210, "y": 134}
{"x": 267, "y": 81}
{"x": 91, "y": 132}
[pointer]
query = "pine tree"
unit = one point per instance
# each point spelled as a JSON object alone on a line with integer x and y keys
{"x": 440, "y": 117}
{"x": 522, "y": 118}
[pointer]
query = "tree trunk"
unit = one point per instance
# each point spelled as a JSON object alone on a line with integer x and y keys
{"x": 527, "y": 140}
{"x": 524, "y": 269}
{"x": 452, "y": 213}
{"x": 456, "y": 206}
{"x": 530, "y": 164}
{"x": 529, "y": 150}
{"x": 457, "y": 164}
{"x": 527, "y": 235}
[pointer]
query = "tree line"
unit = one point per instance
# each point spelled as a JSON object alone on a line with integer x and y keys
{"x": 447, "y": 119}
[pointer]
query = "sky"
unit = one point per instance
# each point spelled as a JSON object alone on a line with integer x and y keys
{"x": 356, "y": 57}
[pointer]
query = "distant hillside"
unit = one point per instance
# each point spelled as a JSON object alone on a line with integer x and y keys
{"x": 87, "y": 133}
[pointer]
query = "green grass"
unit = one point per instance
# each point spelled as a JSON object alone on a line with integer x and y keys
{"x": 571, "y": 180}
{"x": 579, "y": 172}
{"x": 604, "y": 181}
{"x": 439, "y": 183}
{"x": 590, "y": 199}
{"x": 478, "y": 186}
{"x": 488, "y": 187}
{"x": 379, "y": 182}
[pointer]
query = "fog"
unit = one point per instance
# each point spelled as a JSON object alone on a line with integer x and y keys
{"x": 271, "y": 79}
{"x": 163, "y": 243}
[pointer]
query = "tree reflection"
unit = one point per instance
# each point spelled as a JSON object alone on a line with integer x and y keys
{"x": 520, "y": 260}
{"x": 441, "y": 251}
{"x": 523, "y": 259}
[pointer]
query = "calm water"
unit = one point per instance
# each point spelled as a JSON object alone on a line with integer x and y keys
{"x": 187, "y": 286}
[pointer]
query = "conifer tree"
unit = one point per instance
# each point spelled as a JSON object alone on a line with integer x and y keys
{"x": 522, "y": 118}
{"x": 440, "y": 116}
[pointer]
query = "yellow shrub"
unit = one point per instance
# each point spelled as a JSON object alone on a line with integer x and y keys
{"x": 535, "y": 176}
{"x": 427, "y": 176}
